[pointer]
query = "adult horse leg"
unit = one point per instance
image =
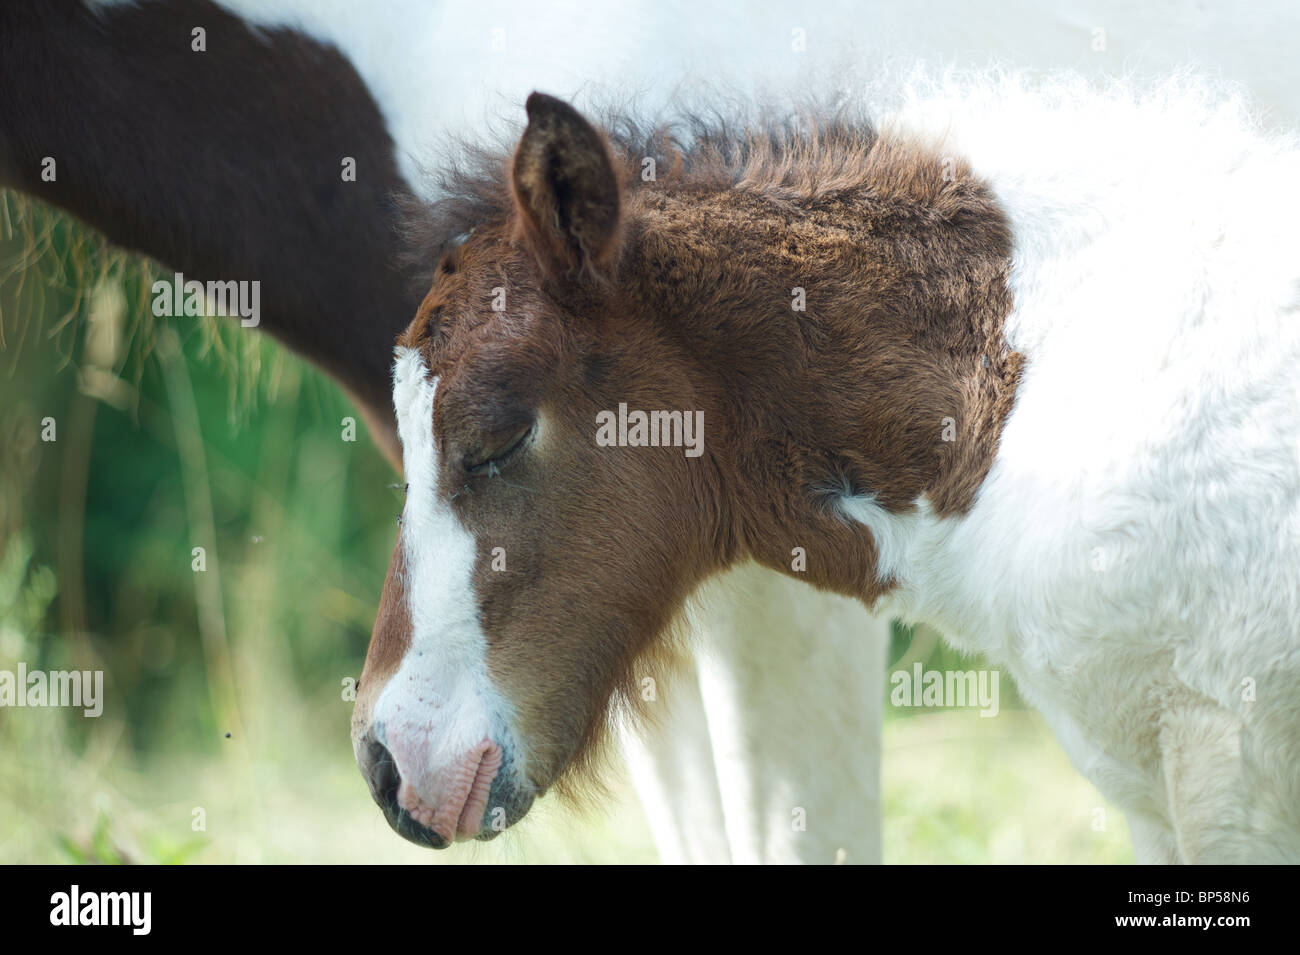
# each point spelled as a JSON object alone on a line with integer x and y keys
{"x": 792, "y": 684}
{"x": 672, "y": 767}
{"x": 767, "y": 748}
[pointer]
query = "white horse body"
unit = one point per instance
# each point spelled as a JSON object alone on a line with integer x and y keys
{"x": 1133, "y": 557}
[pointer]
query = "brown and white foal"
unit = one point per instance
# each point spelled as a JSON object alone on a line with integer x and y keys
{"x": 537, "y": 564}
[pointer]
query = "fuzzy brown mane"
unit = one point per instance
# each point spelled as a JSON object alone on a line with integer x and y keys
{"x": 812, "y": 152}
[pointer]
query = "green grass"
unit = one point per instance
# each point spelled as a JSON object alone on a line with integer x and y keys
{"x": 958, "y": 789}
{"x": 961, "y": 789}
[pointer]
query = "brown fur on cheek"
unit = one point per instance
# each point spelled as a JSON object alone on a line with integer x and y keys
{"x": 585, "y": 555}
{"x": 389, "y": 641}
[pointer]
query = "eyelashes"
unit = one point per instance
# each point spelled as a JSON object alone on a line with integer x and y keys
{"x": 494, "y": 460}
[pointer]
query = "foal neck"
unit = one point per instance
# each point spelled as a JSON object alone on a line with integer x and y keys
{"x": 845, "y": 306}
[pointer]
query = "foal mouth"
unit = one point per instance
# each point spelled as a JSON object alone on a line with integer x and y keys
{"x": 470, "y": 821}
{"x": 458, "y": 815}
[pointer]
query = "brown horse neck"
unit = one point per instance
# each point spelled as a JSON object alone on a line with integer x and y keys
{"x": 846, "y": 338}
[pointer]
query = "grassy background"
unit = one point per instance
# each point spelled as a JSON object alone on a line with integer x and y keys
{"x": 177, "y": 434}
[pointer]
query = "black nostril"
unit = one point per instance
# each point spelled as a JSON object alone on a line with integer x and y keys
{"x": 380, "y": 771}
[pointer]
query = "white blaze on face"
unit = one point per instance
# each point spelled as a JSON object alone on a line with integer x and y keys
{"x": 440, "y": 704}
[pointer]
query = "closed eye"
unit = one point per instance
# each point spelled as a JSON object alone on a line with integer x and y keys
{"x": 493, "y": 461}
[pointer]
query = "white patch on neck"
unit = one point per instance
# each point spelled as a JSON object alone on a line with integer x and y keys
{"x": 440, "y": 702}
{"x": 893, "y": 533}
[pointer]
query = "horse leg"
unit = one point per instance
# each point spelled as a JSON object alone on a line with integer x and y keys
{"x": 792, "y": 690}
{"x": 671, "y": 765}
{"x": 1153, "y": 840}
{"x": 1227, "y": 803}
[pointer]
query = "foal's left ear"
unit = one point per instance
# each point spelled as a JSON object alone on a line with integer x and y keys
{"x": 566, "y": 193}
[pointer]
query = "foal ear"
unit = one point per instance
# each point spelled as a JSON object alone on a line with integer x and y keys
{"x": 566, "y": 193}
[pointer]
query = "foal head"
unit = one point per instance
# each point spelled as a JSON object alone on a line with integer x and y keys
{"x": 605, "y": 398}
{"x": 533, "y": 566}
